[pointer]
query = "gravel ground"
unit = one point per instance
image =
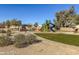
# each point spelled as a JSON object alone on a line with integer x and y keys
{"x": 46, "y": 47}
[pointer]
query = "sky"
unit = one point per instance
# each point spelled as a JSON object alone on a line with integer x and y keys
{"x": 31, "y": 13}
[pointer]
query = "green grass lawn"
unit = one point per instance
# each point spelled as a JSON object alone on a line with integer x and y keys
{"x": 63, "y": 38}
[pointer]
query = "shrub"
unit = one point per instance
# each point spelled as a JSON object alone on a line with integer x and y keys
{"x": 8, "y": 32}
{"x": 2, "y": 31}
{"x": 31, "y": 38}
{"x": 22, "y": 40}
{"x": 5, "y": 41}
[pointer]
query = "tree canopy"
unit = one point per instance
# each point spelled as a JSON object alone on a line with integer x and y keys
{"x": 66, "y": 18}
{"x": 14, "y": 22}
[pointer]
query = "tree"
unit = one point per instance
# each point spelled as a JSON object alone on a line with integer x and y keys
{"x": 15, "y": 22}
{"x": 12, "y": 22}
{"x": 76, "y": 21}
{"x": 8, "y": 23}
{"x": 45, "y": 26}
{"x": 36, "y": 24}
{"x": 19, "y": 22}
{"x": 3, "y": 23}
{"x": 65, "y": 18}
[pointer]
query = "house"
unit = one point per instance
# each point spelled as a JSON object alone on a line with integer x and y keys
{"x": 38, "y": 29}
{"x": 29, "y": 27}
{"x": 23, "y": 27}
{"x": 3, "y": 27}
{"x": 14, "y": 28}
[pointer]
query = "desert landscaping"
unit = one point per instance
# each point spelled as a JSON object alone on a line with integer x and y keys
{"x": 59, "y": 36}
{"x": 44, "y": 47}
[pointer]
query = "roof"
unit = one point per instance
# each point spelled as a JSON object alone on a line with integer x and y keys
{"x": 2, "y": 26}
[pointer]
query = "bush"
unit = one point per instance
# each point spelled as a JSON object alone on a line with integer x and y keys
{"x": 2, "y": 31}
{"x": 31, "y": 38}
{"x": 8, "y": 32}
{"x": 5, "y": 41}
{"x": 22, "y": 40}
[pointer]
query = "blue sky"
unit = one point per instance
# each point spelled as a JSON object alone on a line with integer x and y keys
{"x": 31, "y": 13}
